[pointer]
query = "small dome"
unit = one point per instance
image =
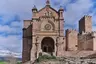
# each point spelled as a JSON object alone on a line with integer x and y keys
{"x": 47, "y": 2}
{"x": 61, "y": 8}
{"x": 34, "y": 8}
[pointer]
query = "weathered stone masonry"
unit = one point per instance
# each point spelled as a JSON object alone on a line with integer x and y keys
{"x": 44, "y": 33}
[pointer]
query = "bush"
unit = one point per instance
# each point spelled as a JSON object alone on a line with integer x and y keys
{"x": 45, "y": 57}
{"x": 18, "y": 62}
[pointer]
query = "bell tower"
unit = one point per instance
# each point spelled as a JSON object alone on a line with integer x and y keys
{"x": 61, "y": 19}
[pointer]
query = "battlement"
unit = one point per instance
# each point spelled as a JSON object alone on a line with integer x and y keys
{"x": 71, "y": 30}
{"x": 85, "y": 16}
{"x": 86, "y": 33}
{"x": 83, "y": 33}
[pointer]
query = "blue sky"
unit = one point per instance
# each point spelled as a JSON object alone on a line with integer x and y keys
{"x": 13, "y": 12}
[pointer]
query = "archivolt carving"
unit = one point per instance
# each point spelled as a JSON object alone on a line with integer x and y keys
{"x": 44, "y": 23}
{"x": 52, "y": 24}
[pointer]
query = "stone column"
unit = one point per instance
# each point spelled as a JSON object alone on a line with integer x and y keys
{"x": 37, "y": 47}
{"x": 57, "y": 42}
{"x": 33, "y": 50}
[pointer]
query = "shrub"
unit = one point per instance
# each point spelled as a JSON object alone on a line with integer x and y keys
{"x": 45, "y": 57}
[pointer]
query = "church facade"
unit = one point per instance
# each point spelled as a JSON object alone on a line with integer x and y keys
{"x": 44, "y": 33}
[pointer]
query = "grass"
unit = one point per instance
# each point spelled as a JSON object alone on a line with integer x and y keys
{"x": 2, "y": 62}
{"x": 18, "y": 62}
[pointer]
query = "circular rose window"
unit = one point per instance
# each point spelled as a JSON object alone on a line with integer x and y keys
{"x": 47, "y": 26}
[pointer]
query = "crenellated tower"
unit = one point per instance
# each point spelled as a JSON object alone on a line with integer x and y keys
{"x": 71, "y": 40}
{"x": 85, "y": 24}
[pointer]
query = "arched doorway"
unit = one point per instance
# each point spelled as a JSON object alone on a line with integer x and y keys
{"x": 47, "y": 45}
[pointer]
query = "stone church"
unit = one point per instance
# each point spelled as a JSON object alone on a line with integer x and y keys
{"x": 44, "y": 33}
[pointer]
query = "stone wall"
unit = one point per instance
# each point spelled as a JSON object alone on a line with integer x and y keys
{"x": 85, "y": 41}
{"x": 69, "y": 61}
{"x": 27, "y": 39}
{"x": 85, "y": 24}
{"x": 71, "y": 40}
{"x": 94, "y": 40}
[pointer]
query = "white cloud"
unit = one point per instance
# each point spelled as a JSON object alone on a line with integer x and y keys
{"x": 4, "y": 28}
{"x": 11, "y": 43}
{"x": 60, "y": 2}
{"x": 94, "y": 17}
{"x": 10, "y": 30}
{"x": 16, "y": 24}
{"x": 75, "y": 11}
{"x": 5, "y": 53}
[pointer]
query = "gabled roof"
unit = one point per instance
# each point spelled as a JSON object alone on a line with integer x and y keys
{"x": 49, "y": 7}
